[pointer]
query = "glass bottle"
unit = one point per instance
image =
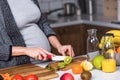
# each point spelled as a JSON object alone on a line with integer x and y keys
{"x": 108, "y": 51}
{"x": 92, "y": 44}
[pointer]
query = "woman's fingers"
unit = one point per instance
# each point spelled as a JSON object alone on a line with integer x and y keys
{"x": 46, "y": 52}
{"x": 66, "y": 50}
{"x": 36, "y": 57}
{"x": 70, "y": 51}
{"x": 43, "y": 54}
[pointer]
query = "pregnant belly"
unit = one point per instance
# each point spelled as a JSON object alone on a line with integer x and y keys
{"x": 34, "y": 37}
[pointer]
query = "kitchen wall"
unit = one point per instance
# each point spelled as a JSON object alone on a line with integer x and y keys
{"x": 98, "y": 7}
{"x": 118, "y": 15}
{"x": 47, "y": 5}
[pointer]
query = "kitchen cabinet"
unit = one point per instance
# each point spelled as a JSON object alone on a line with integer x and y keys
{"x": 76, "y": 36}
{"x": 71, "y": 35}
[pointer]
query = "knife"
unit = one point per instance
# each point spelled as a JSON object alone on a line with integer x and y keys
{"x": 56, "y": 57}
{"x": 65, "y": 59}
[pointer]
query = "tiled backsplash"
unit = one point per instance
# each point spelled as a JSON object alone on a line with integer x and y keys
{"x": 47, "y": 5}
{"x": 110, "y": 8}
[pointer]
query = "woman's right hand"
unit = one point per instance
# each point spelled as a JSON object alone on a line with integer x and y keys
{"x": 37, "y": 53}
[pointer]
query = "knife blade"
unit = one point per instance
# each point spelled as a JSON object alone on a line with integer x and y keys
{"x": 56, "y": 57}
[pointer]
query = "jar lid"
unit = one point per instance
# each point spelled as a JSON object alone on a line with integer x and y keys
{"x": 109, "y": 34}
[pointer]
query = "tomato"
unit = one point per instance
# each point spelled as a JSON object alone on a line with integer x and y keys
{"x": 31, "y": 77}
{"x": 67, "y": 76}
{"x": 17, "y": 77}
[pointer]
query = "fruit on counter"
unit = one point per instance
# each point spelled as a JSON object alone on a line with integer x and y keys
{"x": 17, "y": 77}
{"x": 58, "y": 65}
{"x": 116, "y": 38}
{"x": 31, "y": 77}
{"x": 67, "y": 76}
{"x": 118, "y": 50}
{"x": 87, "y": 65}
{"x": 61, "y": 64}
{"x": 86, "y": 75}
{"x": 5, "y": 76}
{"x": 53, "y": 66}
{"x": 97, "y": 61}
{"x": 77, "y": 69}
{"x": 111, "y": 51}
{"x": 115, "y": 32}
{"x": 67, "y": 60}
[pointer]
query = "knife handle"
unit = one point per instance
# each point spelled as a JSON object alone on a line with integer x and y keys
{"x": 48, "y": 56}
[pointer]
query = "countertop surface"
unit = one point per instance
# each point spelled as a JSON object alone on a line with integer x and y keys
{"x": 86, "y": 19}
{"x": 56, "y": 21}
{"x": 96, "y": 74}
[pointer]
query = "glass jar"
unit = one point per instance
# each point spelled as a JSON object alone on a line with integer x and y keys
{"x": 92, "y": 44}
{"x": 108, "y": 51}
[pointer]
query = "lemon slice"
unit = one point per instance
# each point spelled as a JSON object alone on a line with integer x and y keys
{"x": 87, "y": 65}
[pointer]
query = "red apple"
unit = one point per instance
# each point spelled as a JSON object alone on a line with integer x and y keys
{"x": 67, "y": 76}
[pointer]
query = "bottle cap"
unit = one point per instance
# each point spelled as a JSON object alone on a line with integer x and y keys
{"x": 109, "y": 34}
{"x": 92, "y": 30}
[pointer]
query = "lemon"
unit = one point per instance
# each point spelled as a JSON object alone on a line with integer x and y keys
{"x": 86, "y": 65}
{"x": 100, "y": 45}
{"x": 110, "y": 51}
{"x": 97, "y": 61}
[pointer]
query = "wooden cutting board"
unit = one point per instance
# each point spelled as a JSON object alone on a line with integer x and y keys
{"x": 55, "y": 65}
{"x": 75, "y": 61}
{"x": 42, "y": 73}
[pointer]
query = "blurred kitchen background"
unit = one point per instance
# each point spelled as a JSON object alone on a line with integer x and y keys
{"x": 48, "y": 5}
{"x": 99, "y": 7}
{"x": 70, "y": 19}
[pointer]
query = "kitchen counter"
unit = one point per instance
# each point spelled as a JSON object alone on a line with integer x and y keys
{"x": 96, "y": 74}
{"x": 83, "y": 19}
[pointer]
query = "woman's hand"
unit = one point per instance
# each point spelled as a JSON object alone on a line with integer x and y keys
{"x": 37, "y": 53}
{"x": 63, "y": 49}
{"x": 66, "y": 50}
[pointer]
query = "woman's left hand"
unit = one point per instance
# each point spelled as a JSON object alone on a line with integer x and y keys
{"x": 66, "y": 50}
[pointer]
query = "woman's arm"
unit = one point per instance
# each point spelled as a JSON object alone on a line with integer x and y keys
{"x": 45, "y": 26}
{"x": 63, "y": 49}
{"x": 37, "y": 53}
{"x": 54, "y": 42}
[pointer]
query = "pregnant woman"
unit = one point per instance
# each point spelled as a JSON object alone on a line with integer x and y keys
{"x": 25, "y": 34}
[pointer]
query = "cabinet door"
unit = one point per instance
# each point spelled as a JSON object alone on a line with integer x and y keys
{"x": 71, "y": 35}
